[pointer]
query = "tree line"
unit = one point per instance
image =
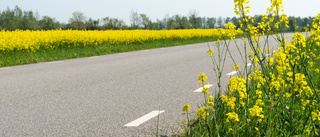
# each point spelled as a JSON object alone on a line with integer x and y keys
{"x": 28, "y": 20}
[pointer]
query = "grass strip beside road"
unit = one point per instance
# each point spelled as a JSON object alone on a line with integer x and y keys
{"x": 19, "y": 57}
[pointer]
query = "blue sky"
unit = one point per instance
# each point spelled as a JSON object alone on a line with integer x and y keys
{"x": 62, "y": 10}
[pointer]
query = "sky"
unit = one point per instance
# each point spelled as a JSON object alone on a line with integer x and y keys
{"x": 62, "y": 10}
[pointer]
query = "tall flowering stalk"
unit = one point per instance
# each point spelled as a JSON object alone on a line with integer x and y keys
{"x": 278, "y": 95}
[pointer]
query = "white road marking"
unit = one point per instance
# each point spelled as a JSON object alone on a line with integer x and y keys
{"x": 94, "y": 57}
{"x": 232, "y": 73}
{"x": 144, "y": 118}
{"x": 249, "y": 64}
{"x": 53, "y": 62}
{"x": 200, "y": 89}
{"x": 5, "y": 68}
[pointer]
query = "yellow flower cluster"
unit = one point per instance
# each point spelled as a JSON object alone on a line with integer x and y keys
{"x": 210, "y": 52}
{"x": 186, "y": 107}
{"x": 232, "y": 116}
{"x": 210, "y": 101}
{"x": 235, "y": 67}
{"x": 239, "y": 6}
{"x": 256, "y": 111}
{"x": 298, "y": 39}
{"x": 33, "y": 40}
{"x": 202, "y": 112}
{"x": 238, "y": 84}
{"x": 316, "y": 22}
{"x": 229, "y": 101}
{"x": 232, "y": 31}
{"x": 257, "y": 76}
{"x": 276, "y": 6}
{"x": 316, "y": 116}
{"x": 202, "y": 78}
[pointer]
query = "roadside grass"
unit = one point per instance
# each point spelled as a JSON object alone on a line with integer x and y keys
{"x": 277, "y": 96}
{"x": 19, "y": 57}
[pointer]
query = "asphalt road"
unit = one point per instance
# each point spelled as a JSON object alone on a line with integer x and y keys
{"x": 100, "y": 96}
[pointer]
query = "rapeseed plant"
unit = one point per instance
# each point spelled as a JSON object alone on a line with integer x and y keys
{"x": 278, "y": 95}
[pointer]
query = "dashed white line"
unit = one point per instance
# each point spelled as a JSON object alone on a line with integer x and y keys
{"x": 200, "y": 89}
{"x": 231, "y": 73}
{"x": 54, "y": 62}
{"x": 144, "y": 118}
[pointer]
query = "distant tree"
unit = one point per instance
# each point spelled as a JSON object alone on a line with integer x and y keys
{"x": 185, "y": 23}
{"x": 165, "y": 21}
{"x": 257, "y": 19}
{"x": 292, "y": 23}
{"x": 135, "y": 19}
{"x": 155, "y": 26}
{"x": 194, "y": 20}
{"x": 125, "y": 26}
{"x": 113, "y": 23}
{"x": 47, "y": 23}
{"x": 211, "y": 22}
{"x": 298, "y": 21}
{"x": 93, "y": 24}
{"x": 145, "y": 21}
{"x": 171, "y": 23}
{"x": 120, "y": 24}
{"x": 310, "y": 20}
{"x": 228, "y": 19}
{"x": 305, "y": 21}
{"x": 235, "y": 21}
{"x": 174, "y": 25}
{"x": 28, "y": 21}
{"x": 107, "y": 23}
{"x": 203, "y": 21}
{"x": 161, "y": 24}
{"x": 17, "y": 19}
{"x": 77, "y": 21}
{"x": 178, "y": 21}
{"x": 220, "y": 22}
{"x": 96, "y": 24}
{"x": 9, "y": 20}
{"x": 62, "y": 26}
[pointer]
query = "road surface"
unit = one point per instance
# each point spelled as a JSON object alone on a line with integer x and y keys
{"x": 111, "y": 95}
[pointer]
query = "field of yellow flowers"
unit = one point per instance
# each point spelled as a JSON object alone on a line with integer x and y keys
{"x": 278, "y": 96}
{"x": 33, "y": 40}
{"x": 24, "y": 47}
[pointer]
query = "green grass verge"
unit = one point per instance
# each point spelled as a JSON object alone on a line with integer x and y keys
{"x": 19, "y": 57}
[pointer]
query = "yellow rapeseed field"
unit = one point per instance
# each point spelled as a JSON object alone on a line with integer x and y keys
{"x": 33, "y": 40}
